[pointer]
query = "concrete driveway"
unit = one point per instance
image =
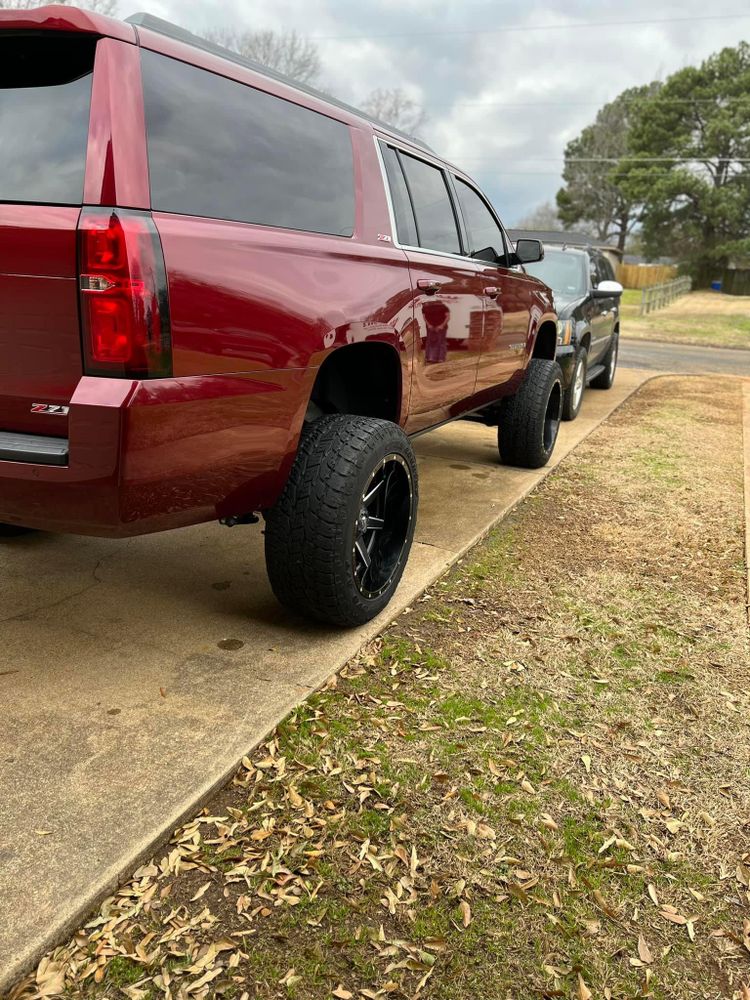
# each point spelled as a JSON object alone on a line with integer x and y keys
{"x": 124, "y": 704}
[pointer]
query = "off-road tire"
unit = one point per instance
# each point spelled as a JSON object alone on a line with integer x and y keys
{"x": 572, "y": 407}
{"x": 312, "y": 529}
{"x": 13, "y": 530}
{"x": 530, "y": 420}
{"x": 606, "y": 379}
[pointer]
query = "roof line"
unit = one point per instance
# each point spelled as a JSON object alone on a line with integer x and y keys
{"x": 174, "y": 31}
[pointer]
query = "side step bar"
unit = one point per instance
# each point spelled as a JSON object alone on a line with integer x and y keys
{"x": 33, "y": 448}
{"x": 593, "y": 371}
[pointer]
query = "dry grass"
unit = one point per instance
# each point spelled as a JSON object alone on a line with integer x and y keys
{"x": 707, "y": 319}
{"x": 536, "y": 785}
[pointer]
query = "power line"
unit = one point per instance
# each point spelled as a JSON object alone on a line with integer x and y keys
{"x": 596, "y": 104}
{"x": 556, "y": 173}
{"x": 698, "y": 158}
{"x": 572, "y": 26}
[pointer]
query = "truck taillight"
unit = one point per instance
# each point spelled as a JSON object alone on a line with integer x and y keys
{"x": 124, "y": 300}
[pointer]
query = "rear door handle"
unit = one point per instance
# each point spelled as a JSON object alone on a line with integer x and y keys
{"x": 491, "y": 291}
{"x": 429, "y": 285}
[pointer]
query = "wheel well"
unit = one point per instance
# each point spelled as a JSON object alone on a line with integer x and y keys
{"x": 545, "y": 344}
{"x": 586, "y": 341}
{"x": 361, "y": 379}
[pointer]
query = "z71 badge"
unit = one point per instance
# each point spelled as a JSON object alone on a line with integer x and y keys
{"x": 51, "y": 409}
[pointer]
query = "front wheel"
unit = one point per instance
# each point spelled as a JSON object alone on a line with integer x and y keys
{"x": 338, "y": 538}
{"x": 530, "y": 420}
{"x": 607, "y": 377}
{"x": 573, "y": 396}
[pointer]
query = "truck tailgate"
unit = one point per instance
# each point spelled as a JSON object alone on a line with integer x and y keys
{"x": 45, "y": 100}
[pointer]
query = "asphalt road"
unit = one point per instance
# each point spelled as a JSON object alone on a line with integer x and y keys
{"x": 661, "y": 357}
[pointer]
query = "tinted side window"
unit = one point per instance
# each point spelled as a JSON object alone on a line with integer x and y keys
{"x": 593, "y": 271}
{"x": 436, "y": 222}
{"x": 606, "y": 269}
{"x": 483, "y": 229}
{"x": 45, "y": 97}
{"x": 406, "y": 229}
{"x": 223, "y": 150}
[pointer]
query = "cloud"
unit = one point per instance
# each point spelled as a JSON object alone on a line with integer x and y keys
{"x": 501, "y": 104}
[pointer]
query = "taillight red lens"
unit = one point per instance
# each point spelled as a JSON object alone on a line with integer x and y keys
{"x": 124, "y": 299}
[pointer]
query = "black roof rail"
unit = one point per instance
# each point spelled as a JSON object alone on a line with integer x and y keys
{"x": 162, "y": 27}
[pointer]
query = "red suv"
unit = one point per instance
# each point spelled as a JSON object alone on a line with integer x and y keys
{"x": 224, "y": 294}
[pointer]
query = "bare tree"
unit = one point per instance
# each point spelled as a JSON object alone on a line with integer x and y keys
{"x": 396, "y": 108}
{"x": 97, "y": 6}
{"x": 544, "y": 216}
{"x": 287, "y": 52}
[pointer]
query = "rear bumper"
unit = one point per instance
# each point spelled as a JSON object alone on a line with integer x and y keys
{"x": 147, "y": 456}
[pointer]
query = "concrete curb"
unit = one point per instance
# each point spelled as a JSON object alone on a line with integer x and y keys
{"x": 746, "y": 449}
{"x": 78, "y": 908}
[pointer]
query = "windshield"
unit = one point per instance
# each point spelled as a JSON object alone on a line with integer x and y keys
{"x": 563, "y": 270}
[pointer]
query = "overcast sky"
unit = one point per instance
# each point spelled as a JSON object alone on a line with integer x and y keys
{"x": 505, "y": 85}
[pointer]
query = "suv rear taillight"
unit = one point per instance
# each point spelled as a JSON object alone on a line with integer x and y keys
{"x": 124, "y": 300}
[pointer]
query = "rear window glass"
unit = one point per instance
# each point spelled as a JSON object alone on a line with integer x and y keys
{"x": 45, "y": 98}
{"x": 224, "y": 150}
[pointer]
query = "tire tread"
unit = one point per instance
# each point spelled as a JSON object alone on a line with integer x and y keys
{"x": 519, "y": 435}
{"x": 306, "y": 531}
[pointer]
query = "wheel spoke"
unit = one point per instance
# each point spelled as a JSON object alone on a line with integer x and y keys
{"x": 369, "y": 497}
{"x": 382, "y": 526}
{"x": 364, "y": 553}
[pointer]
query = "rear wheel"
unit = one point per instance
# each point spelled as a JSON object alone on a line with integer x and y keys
{"x": 338, "y": 539}
{"x": 607, "y": 377}
{"x": 530, "y": 420}
{"x": 573, "y": 396}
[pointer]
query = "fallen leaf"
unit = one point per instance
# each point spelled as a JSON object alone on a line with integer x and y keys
{"x": 342, "y": 994}
{"x": 50, "y": 978}
{"x": 465, "y": 912}
{"x": 670, "y": 914}
{"x": 644, "y": 952}
{"x": 584, "y": 993}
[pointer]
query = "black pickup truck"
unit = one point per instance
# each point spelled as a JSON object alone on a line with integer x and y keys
{"x": 587, "y": 301}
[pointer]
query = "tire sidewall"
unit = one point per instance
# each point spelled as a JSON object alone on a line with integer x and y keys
{"x": 615, "y": 349}
{"x": 555, "y": 385}
{"x": 571, "y": 409}
{"x": 521, "y": 431}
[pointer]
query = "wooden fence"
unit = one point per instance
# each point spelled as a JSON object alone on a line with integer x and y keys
{"x": 645, "y": 275}
{"x": 661, "y": 295}
{"x": 736, "y": 281}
